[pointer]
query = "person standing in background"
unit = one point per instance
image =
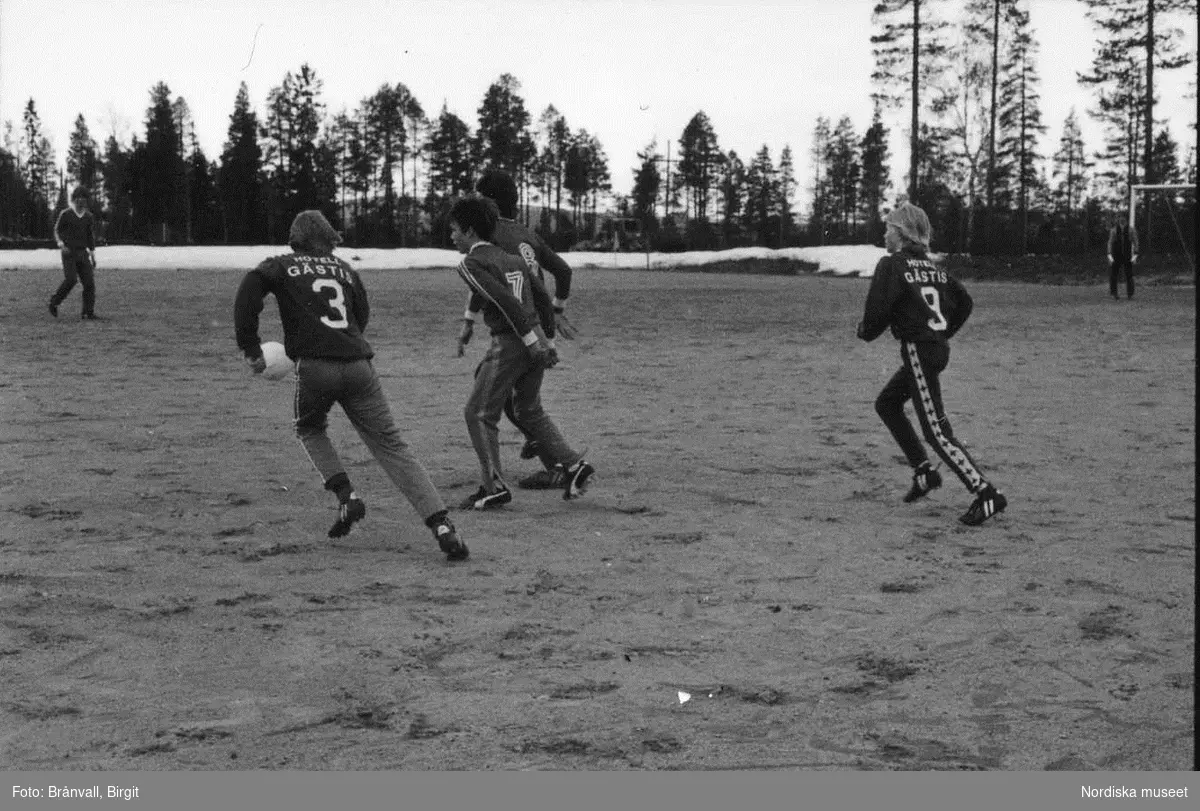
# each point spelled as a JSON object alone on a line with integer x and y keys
{"x": 75, "y": 234}
{"x": 1122, "y": 254}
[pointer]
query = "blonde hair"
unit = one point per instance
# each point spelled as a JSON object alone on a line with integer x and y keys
{"x": 912, "y": 223}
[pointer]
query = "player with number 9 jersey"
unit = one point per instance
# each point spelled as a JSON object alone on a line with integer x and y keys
{"x": 924, "y": 306}
{"x": 323, "y": 308}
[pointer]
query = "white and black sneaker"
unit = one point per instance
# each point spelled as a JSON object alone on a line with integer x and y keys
{"x": 925, "y": 481}
{"x": 481, "y": 499}
{"x": 350, "y": 512}
{"x": 577, "y": 479}
{"x": 988, "y": 502}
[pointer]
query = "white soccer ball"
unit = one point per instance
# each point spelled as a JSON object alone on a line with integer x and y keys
{"x": 279, "y": 365}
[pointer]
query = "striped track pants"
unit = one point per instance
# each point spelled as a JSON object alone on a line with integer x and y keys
{"x": 918, "y": 380}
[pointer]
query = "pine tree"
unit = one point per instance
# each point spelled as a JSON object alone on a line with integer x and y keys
{"x": 238, "y": 181}
{"x": 204, "y": 206}
{"x": 1020, "y": 121}
{"x": 787, "y": 187}
{"x": 842, "y": 171}
{"x": 14, "y": 196}
{"x": 875, "y": 180}
{"x": 503, "y": 138}
{"x": 413, "y": 115}
{"x": 117, "y": 183}
{"x": 818, "y": 159}
{"x": 733, "y": 197}
{"x": 38, "y": 174}
{"x": 385, "y": 139}
{"x": 158, "y": 172}
{"x": 1071, "y": 166}
{"x": 585, "y": 173}
{"x": 450, "y": 172}
{"x": 82, "y": 162}
{"x": 450, "y": 156}
{"x": 295, "y": 115}
{"x": 699, "y": 161}
{"x": 601, "y": 177}
{"x": 1141, "y": 27}
{"x": 909, "y": 54}
{"x": 762, "y": 198}
{"x": 1165, "y": 158}
{"x": 647, "y": 181}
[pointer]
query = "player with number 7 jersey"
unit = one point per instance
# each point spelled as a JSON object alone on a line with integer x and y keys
{"x": 924, "y": 306}
{"x": 324, "y": 309}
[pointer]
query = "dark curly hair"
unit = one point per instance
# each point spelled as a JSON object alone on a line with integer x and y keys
{"x": 475, "y": 212}
{"x": 500, "y": 187}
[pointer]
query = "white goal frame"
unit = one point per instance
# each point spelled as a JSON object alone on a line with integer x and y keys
{"x": 1165, "y": 187}
{"x": 1137, "y": 187}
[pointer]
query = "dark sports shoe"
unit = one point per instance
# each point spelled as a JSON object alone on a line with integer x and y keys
{"x": 481, "y": 499}
{"x": 91, "y": 317}
{"x": 577, "y": 476}
{"x": 53, "y": 308}
{"x": 554, "y": 478}
{"x": 925, "y": 481}
{"x": 448, "y": 540}
{"x": 530, "y": 449}
{"x": 349, "y": 513}
{"x": 986, "y": 504}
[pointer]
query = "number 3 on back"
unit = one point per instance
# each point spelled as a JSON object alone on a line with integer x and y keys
{"x": 930, "y": 294}
{"x": 337, "y": 303}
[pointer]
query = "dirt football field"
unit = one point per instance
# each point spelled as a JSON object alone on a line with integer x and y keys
{"x": 741, "y": 588}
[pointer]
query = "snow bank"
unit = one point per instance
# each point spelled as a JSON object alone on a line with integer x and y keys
{"x": 840, "y": 260}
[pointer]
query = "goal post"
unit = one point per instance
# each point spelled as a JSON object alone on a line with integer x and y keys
{"x": 1137, "y": 187}
{"x": 1167, "y": 190}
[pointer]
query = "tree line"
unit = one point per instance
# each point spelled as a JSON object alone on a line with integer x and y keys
{"x": 978, "y": 162}
{"x": 386, "y": 170}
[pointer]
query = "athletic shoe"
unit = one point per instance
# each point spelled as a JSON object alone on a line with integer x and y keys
{"x": 986, "y": 504}
{"x": 577, "y": 476}
{"x": 481, "y": 499}
{"x": 91, "y": 317}
{"x": 925, "y": 481}
{"x": 552, "y": 479}
{"x": 530, "y": 449}
{"x": 349, "y": 513}
{"x": 53, "y": 308}
{"x": 449, "y": 541}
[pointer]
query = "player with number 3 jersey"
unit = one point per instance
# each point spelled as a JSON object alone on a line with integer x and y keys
{"x": 924, "y": 306}
{"x": 324, "y": 309}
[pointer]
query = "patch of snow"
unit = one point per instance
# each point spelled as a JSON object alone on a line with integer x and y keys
{"x": 840, "y": 260}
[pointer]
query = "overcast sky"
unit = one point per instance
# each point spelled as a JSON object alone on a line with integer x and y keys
{"x": 763, "y": 70}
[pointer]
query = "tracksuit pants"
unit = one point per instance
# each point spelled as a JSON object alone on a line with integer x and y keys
{"x": 917, "y": 380}
{"x": 507, "y": 370}
{"x": 355, "y": 386}
{"x": 77, "y": 269}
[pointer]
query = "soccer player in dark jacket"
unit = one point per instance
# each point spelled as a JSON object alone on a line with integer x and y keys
{"x": 519, "y": 313}
{"x": 74, "y": 231}
{"x": 924, "y": 306}
{"x": 324, "y": 309}
{"x": 522, "y": 241}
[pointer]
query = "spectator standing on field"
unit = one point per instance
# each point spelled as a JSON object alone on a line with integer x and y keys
{"x": 1122, "y": 254}
{"x": 75, "y": 234}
